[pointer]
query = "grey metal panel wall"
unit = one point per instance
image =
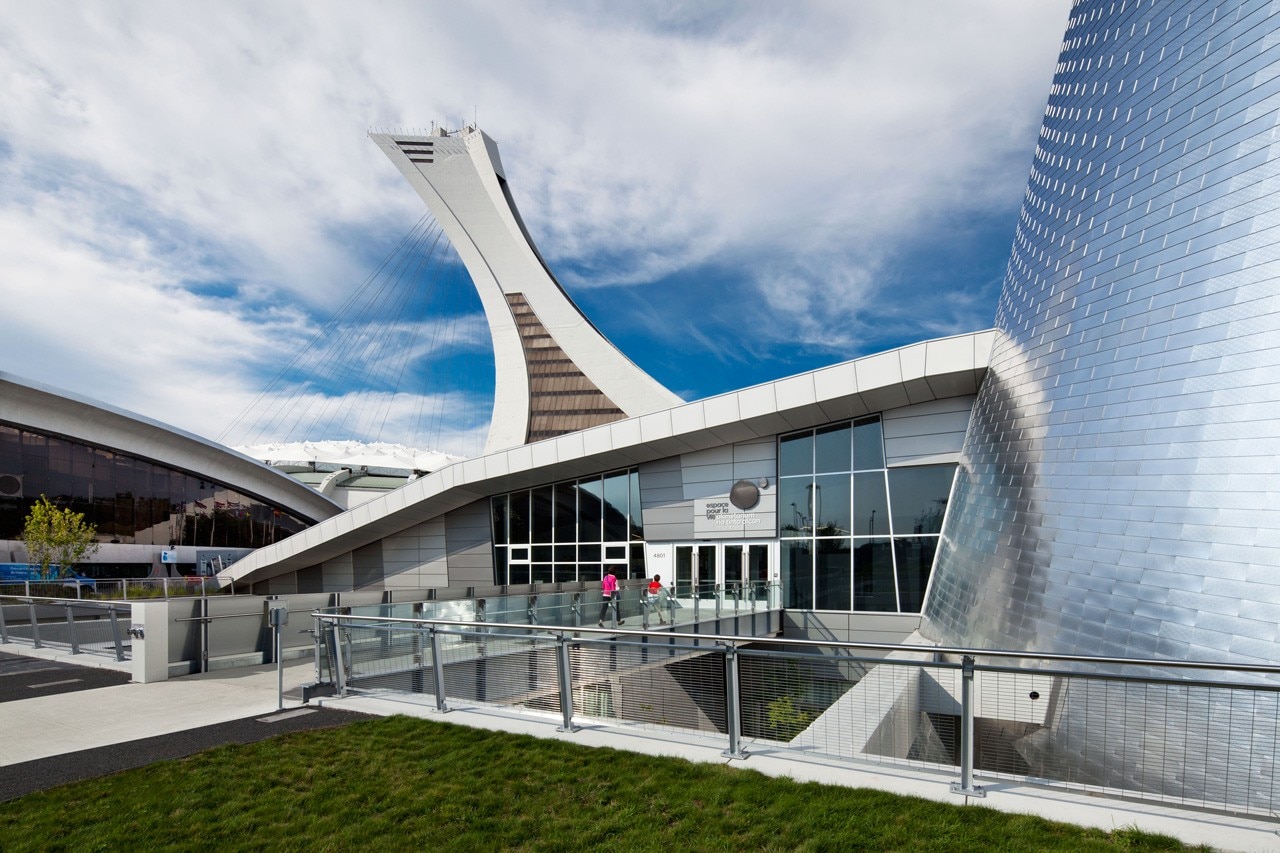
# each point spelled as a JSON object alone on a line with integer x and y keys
{"x": 469, "y": 545}
{"x": 667, "y": 515}
{"x": 368, "y": 566}
{"x": 926, "y": 433}
{"x": 1119, "y": 491}
{"x": 415, "y": 558}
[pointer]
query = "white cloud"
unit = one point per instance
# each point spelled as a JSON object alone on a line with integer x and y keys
{"x": 193, "y": 184}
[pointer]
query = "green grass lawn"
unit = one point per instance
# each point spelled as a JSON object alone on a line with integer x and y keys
{"x": 400, "y": 783}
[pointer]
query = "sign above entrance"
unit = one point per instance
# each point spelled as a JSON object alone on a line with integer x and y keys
{"x": 718, "y": 517}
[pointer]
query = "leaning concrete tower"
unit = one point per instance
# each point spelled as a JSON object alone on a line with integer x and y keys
{"x": 556, "y": 373}
{"x": 1119, "y": 491}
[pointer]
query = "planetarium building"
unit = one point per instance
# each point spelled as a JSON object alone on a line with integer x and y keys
{"x": 1098, "y": 474}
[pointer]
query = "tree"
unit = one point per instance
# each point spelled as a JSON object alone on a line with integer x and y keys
{"x": 57, "y": 537}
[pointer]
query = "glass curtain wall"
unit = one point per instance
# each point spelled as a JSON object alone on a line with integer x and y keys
{"x": 569, "y": 531}
{"x": 855, "y": 534}
{"x": 130, "y": 500}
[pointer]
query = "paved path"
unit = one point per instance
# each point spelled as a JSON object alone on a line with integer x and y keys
{"x": 85, "y": 719}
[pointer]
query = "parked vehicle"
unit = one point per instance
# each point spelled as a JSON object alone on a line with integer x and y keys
{"x": 20, "y": 572}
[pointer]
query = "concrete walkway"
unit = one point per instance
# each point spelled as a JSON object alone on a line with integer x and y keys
{"x": 100, "y": 718}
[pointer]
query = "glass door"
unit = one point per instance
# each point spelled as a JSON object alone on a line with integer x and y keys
{"x": 746, "y": 571}
{"x": 732, "y": 570}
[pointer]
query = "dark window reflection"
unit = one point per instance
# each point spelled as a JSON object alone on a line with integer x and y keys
{"x": 873, "y": 583}
{"x": 831, "y": 505}
{"x": 795, "y": 455}
{"x": 868, "y": 444}
{"x": 796, "y": 563}
{"x": 915, "y": 562}
{"x": 919, "y": 497}
{"x": 132, "y": 501}
{"x": 870, "y": 505}
{"x": 541, "y": 514}
{"x": 832, "y": 574}
{"x": 832, "y": 450}
{"x": 579, "y": 516}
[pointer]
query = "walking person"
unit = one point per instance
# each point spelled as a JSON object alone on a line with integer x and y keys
{"x": 609, "y": 592}
{"x": 655, "y": 597}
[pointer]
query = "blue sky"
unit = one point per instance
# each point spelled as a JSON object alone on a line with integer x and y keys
{"x": 733, "y": 192}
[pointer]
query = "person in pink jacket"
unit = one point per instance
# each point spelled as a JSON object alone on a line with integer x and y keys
{"x": 609, "y": 590}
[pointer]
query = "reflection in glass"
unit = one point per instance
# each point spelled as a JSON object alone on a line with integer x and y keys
{"x": 795, "y": 454}
{"x": 616, "y": 517}
{"x": 919, "y": 497}
{"x": 870, "y": 505}
{"x": 832, "y": 574}
{"x": 868, "y": 444}
{"x": 518, "y": 518}
{"x": 831, "y": 506}
{"x": 572, "y": 514}
{"x": 796, "y": 565}
{"x": 915, "y": 561}
{"x": 541, "y": 513}
{"x": 831, "y": 450}
{"x": 873, "y": 581}
{"x": 795, "y": 515}
{"x": 566, "y": 528}
{"x": 133, "y": 501}
{"x": 637, "y": 517}
{"x": 590, "y": 509}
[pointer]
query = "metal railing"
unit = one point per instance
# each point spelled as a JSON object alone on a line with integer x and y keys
{"x": 115, "y": 589}
{"x": 1185, "y": 733}
{"x": 83, "y": 627}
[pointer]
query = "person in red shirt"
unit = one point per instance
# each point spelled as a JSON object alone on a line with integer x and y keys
{"x": 655, "y": 597}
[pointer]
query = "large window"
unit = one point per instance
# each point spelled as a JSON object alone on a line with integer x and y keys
{"x": 569, "y": 531}
{"x": 130, "y": 500}
{"x": 856, "y": 535}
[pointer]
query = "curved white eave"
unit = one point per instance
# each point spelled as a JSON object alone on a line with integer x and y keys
{"x": 46, "y": 409}
{"x": 931, "y": 370}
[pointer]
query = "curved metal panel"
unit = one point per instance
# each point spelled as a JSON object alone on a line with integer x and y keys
{"x": 1120, "y": 483}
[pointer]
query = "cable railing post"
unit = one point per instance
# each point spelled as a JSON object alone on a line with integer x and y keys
{"x": 564, "y": 674}
{"x": 575, "y": 607}
{"x": 315, "y": 641}
{"x": 437, "y": 669}
{"x": 115, "y": 634}
{"x": 35, "y": 625}
{"x": 4, "y": 630}
{"x": 71, "y": 630}
{"x": 204, "y": 635}
{"x": 339, "y": 670}
{"x": 732, "y": 703}
{"x": 965, "y": 785}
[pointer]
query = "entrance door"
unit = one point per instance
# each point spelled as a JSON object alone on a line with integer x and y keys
{"x": 732, "y": 570}
{"x": 746, "y": 571}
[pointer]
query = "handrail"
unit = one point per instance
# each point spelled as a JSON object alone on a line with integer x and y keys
{"x": 1266, "y": 669}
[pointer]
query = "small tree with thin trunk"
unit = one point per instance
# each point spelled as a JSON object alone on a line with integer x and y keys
{"x": 56, "y": 536}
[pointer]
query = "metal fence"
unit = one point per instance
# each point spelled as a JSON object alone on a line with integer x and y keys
{"x": 1185, "y": 733}
{"x": 111, "y": 589}
{"x": 82, "y": 627}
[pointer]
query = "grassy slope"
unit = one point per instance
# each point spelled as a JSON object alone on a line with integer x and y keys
{"x": 400, "y": 783}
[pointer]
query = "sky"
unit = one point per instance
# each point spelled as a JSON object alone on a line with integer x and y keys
{"x": 191, "y": 211}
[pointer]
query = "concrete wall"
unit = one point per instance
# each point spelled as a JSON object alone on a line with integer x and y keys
{"x": 849, "y": 627}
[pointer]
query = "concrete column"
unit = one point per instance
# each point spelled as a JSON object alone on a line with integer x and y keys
{"x": 149, "y": 628}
